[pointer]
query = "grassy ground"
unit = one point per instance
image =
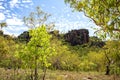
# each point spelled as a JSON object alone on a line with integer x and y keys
{"x": 55, "y": 75}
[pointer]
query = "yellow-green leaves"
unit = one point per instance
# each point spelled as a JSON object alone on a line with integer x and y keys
{"x": 39, "y": 45}
{"x": 101, "y": 12}
{"x": 40, "y": 37}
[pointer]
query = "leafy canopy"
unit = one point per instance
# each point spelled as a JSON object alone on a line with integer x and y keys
{"x": 104, "y": 13}
{"x": 38, "y": 48}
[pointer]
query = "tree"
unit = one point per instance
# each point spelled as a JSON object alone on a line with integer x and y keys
{"x": 96, "y": 42}
{"x": 104, "y": 13}
{"x": 112, "y": 56}
{"x": 107, "y": 58}
{"x": 38, "y": 18}
{"x": 39, "y": 50}
{"x": 3, "y": 24}
{"x": 39, "y": 41}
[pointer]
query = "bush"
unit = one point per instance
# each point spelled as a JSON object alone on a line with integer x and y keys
{"x": 87, "y": 65}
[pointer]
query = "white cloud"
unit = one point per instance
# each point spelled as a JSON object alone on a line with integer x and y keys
{"x": 15, "y": 26}
{"x": 26, "y": 1}
{"x": 17, "y": 3}
{"x": 53, "y": 7}
{"x": 2, "y": 16}
{"x": 14, "y": 21}
{"x": 13, "y": 3}
{"x": 1, "y": 4}
{"x": 15, "y": 30}
{"x": 64, "y": 27}
{"x": 1, "y": 7}
{"x": 7, "y": 31}
{"x": 70, "y": 25}
{"x": 26, "y": 6}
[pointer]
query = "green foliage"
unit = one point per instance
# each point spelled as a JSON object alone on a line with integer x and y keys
{"x": 64, "y": 59}
{"x": 3, "y": 24}
{"x": 87, "y": 65}
{"x": 112, "y": 53}
{"x": 105, "y": 14}
{"x": 98, "y": 59}
{"x": 107, "y": 56}
{"x": 37, "y": 51}
{"x": 83, "y": 50}
{"x": 96, "y": 42}
{"x": 7, "y": 52}
{"x": 3, "y": 47}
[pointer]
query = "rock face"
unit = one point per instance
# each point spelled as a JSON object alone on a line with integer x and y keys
{"x": 24, "y": 37}
{"x": 77, "y": 37}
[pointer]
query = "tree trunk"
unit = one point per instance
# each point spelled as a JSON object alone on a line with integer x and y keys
{"x": 36, "y": 71}
{"x": 14, "y": 73}
{"x": 44, "y": 72}
{"x": 107, "y": 69}
{"x": 32, "y": 74}
{"x": 108, "y": 64}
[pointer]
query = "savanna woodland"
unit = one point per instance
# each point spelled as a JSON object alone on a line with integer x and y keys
{"x": 43, "y": 53}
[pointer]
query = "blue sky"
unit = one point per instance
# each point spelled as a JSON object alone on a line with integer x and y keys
{"x": 13, "y": 11}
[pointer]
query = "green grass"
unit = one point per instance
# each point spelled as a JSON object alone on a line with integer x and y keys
{"x": 55, "y": 75}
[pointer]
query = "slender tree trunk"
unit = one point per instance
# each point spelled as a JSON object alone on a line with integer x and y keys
{"x": 36, "y": 71}
{"x": 107, "y": 69}
{"x": 14, "y": 73}
{"x": 32, "y": 74}
{"x": 44, "y": 72}
{"x": 36, "y": 74}
{"x": 108, "y": 64}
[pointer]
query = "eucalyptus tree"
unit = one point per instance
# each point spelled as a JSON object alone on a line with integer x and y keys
{"x": 38, "y": 18}
{"x": 38, "y": 50}
{"x": 104, "y": 13}
{"x": 38, "y": 47}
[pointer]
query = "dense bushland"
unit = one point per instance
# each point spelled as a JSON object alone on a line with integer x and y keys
{"x": 96, "y": 55}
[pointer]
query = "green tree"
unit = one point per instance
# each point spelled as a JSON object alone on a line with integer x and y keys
{"x": 39, "y": 50}
{"x": 104, "y": 13}
{"x": 112, "y": 56}
{"x": 107, "y": 58}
